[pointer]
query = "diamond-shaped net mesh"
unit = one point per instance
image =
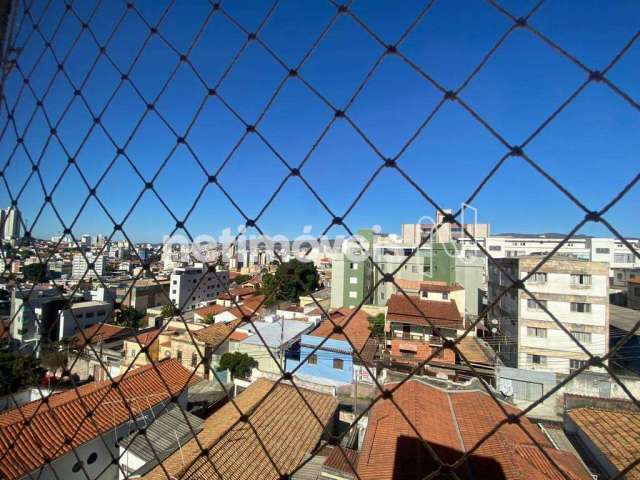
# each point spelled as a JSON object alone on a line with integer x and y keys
{"x": 154, "y": 88}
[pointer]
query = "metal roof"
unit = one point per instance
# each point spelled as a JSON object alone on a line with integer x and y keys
{"x": 166, "y": 434}
{"x": 275, "y": 334}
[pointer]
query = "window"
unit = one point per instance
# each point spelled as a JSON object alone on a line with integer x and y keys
{"x": 338, "y": 364}
{"x": 353, "y": 266}
{"x": 537, "y": 359}
{"x": 425, "y": 294}
{"x": 426, "y": 269}
{"x": 576, "y": 364}
{"x": 580, "y": 307}
{"x": 353, "y": 294}
{"x": 602, "y": 250}
{"x": 179, "y": 355}
{"x": 445, "y": 296}
{"x": 175, "y": 282}
{"x": 353, "y": 280}
{"x": 580, "y": 279}
{"x": 623, "y": 258}
{"x": 194, "y": 359}
{"x": 538, "y": 277}
{"x": 619, "y": 276}
{"x": 101, "y": 313}
{"x": 89, "y": 314}
{"x": 533, "y": 305}
{"x": 414, "y": 269}
{"x": 536, "y": 332}
{"x": 636, "y": 291}
{"x": 132, "y": 353}
{"x": 582, "y": 337}
{"x": 313, "y": 359}
{"x": 495, "y": 248}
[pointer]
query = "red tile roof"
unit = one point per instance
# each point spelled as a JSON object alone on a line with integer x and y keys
{"x": 217, "y": 332}
{"x": 357, "y": 329}
{"x": 148, "y": 337}
{"x": 343, "y": 460}
{"x": 440, "y": 313}
{"x": 430, "y": 286}
{"x": 283, "y": 424}
{"x": 62, "y": 415}
{"x": 616, "y": 433}
{"x": 98, "y": 333}
{"x": 209, "y": 310}
{"x": 449, "y": 422}
{"x": 238, "y": 292}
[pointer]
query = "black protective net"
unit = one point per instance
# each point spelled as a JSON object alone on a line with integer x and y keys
{"x": 58, "y": 64}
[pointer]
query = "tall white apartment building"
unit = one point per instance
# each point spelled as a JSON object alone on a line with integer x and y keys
{"x": 79, "y": 266}
{"x": 188, "y": 288}
{"x": 10, "y": 222}
{"x": 575, "y": 291}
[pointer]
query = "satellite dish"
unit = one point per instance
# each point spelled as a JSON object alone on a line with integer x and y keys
{"x": 506, "y": 389}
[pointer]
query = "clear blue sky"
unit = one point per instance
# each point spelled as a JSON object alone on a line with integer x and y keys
{"x": 591, "y": 147}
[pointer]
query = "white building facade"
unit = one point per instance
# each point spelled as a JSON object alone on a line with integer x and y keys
{"x": 574, "y": 291}
{"x": 195, "y": 285}
{"x": 80, "y": 266}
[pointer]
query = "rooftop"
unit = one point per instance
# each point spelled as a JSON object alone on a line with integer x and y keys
{"x": 23, "y": 447}
{"x": 90, "y": 304}
{"x": 98, "y": 333}
{"x": 449, "y": 422}
{"x": 357, "y": 329}
{"x": 624, "y": 318}
{"x": 217, "y": 333}
{"x": 616, "y": 433}
{"x": 288, "y": 434}
{"x": 441, "y": 314}
{"x": 277, "y": 333}
{"x": 165, "y": 435}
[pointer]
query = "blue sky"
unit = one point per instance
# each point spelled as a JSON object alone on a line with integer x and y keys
{"x": 591, "y": 147}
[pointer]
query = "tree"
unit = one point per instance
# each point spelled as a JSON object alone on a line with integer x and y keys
{"x": 240, "y": 279}
{"x": 17, "y": 372}
{"x": 291, "y": 280}
{"x": 376, "y": 325}
{"x": 239, "y": 364}
{"x": 209, "y": 318}
{"x": 35, "y": 272}
{"x": 129, "y": 317}
{"x": 169, "y": 310}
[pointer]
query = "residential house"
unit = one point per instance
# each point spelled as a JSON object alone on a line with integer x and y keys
{"x": 575, "y": 291}
{"x": 236, "y": 296}
{"x": 606, "y": 434}
{"x": 450, "y": 423}
{"x": 149, "y": 341}
{"x": 335, "y": 361}
{"x": 98, "y": 351}
{"x": 58, "y": 442}
{"x": 81, "y": 315}
{"x": 416, "y": 326}
{"x": 164, "y": 435}
{"x": 279, "y": 422}
{"x": 200, "y": 348}
{"x": 269, "y": 343}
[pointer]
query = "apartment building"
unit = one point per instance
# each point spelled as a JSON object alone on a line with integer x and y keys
{"x": 80, "y": 266}
{"x": 34, "y": 314}
{"x": 440, "y": 232}
{"x": 194, "y": 285}
{"x": 10, "y": 223}
{"x": 574, "y": 291}
{"x": 81, "y": 315}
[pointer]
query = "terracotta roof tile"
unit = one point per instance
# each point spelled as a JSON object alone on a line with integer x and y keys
{"x": 449, "y": 422}
{"x": 209, "y": 310}
{"x": 217, "y": 332}
{"x": 440, "y": 313}
{"x": 604, "y": 428}
{"x": 238, "y": 292}
{"x": 342, "y": 459}
{"x": 284, "y": 424}
{"x": 99, "y": 332}
{"x": 357, "y": 329}
{"x": 62, "y": 416}
{"x": 148, "y": 337}
{"x": 472, "y": 350}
